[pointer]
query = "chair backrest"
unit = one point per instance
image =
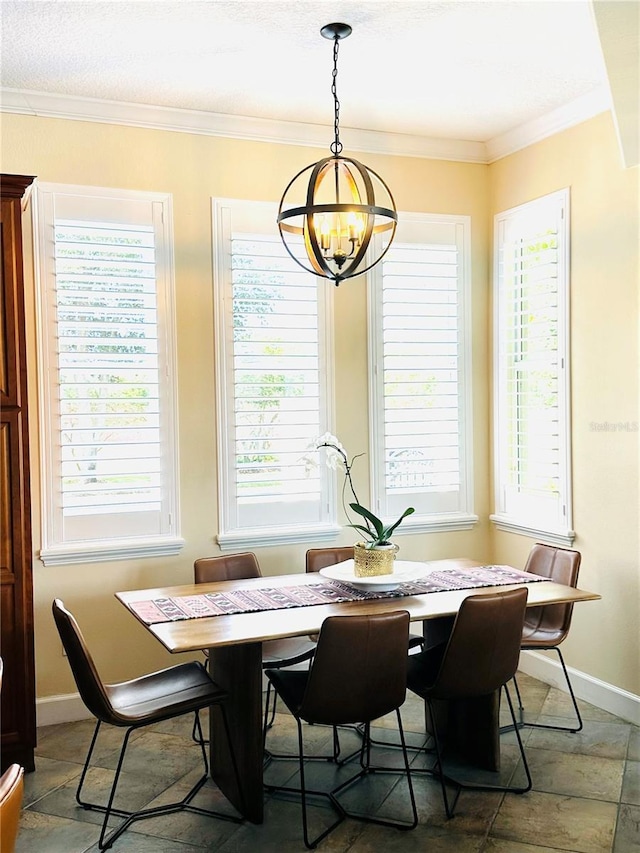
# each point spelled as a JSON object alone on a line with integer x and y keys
{"x": 359, "y": 671}
{"x": 320, "y": 558}
{"x": 562, "y": 566}
{"x": 228, "y": 567}
{"x": 90, "y": 686}
{"x": 484, "y": 647}
{"x": 11, "y": 792}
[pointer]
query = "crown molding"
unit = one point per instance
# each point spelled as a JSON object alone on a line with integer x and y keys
{"x": 234, "y": 127}
{"x": 576, "y": 111}
{"x": 45, "y": 104}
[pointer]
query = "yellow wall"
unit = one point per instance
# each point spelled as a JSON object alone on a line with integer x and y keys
{"x": 604, "y": 345}
{"x": 605, "y": 236}
{"x": 192, "y": 169}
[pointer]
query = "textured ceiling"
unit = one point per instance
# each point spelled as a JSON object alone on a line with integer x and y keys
{"x": 451, "y": 70}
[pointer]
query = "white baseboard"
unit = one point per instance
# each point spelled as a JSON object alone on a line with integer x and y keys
{"x": 605, "y": 696}
{"x": 64, "y": 708}
{"x": 67, "y": 708}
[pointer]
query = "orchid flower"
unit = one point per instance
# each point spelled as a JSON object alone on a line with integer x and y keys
{"x": 373, "y": 528}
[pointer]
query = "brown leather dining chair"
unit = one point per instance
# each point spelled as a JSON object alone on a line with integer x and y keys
{"x": 342, "y": 689}
{"x": 322, "y": 558}
{"x": 480, "y": 657}
{"x": 11, "y": 794}
{"x": 275, "y": 653}
{"x": 546, "y": 627}
{"x": 153, "y": 698}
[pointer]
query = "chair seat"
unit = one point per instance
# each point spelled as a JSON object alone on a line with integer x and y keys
{"x": 415, "y": 640}
{"x": 290, "y": 686}
{"x": 286, "y": 652}
{"x": 538, "y": 636}
{"x": 163, "y": 694}
{"x": 423, "y": 668}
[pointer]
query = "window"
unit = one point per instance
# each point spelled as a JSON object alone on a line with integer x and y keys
{"x": 420, "y": 375}
{"x": 106, "y": 350}
{"x": 274, "y": 384}
{"x": 532, "y": 453}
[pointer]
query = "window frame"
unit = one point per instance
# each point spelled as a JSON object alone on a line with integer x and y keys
{"x": 464, "y": 517}
{"x": 55, "y": 550}
{"x": 557, "y": 530}
{"x": 231, "y": 536}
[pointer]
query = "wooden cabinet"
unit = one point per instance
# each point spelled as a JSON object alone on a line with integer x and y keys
{"x": 18, "y": 717}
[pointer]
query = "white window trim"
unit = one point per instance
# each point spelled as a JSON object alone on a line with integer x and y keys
{"x": 562, "y": 535}
{"x": 102, "y": 550}
{"x": 228, "y": 538}
{"x": 465, "y": 519}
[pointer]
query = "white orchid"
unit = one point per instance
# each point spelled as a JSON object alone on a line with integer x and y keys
{"x": 373, "y": 528}
{"x": 335, "y": 452}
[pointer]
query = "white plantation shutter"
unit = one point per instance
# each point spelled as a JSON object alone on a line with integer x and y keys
{"x": 274, "y": 386}
{"x": 532, "y": 449}
{"x": 107, "y": 368}
{"x": 105, "y": 296}
{"x": 419, "y": 356}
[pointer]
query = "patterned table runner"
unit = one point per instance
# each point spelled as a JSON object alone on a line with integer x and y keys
{"x": 252, "y": 600}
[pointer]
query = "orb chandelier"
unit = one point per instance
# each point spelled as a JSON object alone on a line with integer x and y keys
{"x": 345, "y": 204}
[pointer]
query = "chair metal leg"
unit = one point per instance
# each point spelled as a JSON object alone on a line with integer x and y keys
{"x": 520, "y": 723}
{"x": 573, "y": 729}
{"x": 194, "y": 736}
{"x": 268, "y": 724}
{"x": 518, "y": 696}
{"x": 106, "y": 840}
{"x": 388, "y": 744}
{"x": 523, "y": 754}
{"x": 365, "y": 768}
{"x": 86, "y": 766}
{"x": 438, "y": 769}
{"x": 283, "y": 756}
{"x": 198, "y": 738}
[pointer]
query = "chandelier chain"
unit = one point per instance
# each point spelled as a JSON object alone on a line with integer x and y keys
{"x": 346, "y": 204}
{"x": 336, "y": 145}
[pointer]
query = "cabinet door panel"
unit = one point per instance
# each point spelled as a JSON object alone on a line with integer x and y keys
{"x": 17, "y": 697}
{"x": 9, "y": 373}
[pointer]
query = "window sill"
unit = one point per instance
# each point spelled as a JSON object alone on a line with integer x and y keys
{"x": 437, "y": 524}
{"x": 102, "y": 552}
{"x": 540, "y": 534}
{"x": 257, "y": 537}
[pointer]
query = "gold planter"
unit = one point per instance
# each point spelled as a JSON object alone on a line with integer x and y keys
{"x": 368, "y": 562}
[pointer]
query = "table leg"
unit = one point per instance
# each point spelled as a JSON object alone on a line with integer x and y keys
{"x": 474, "y": 730}
{"x": 239, "y": 670}
{"x": 471, "y": 726}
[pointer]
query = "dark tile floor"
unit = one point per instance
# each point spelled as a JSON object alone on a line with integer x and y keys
{"x": 585, "y": 797}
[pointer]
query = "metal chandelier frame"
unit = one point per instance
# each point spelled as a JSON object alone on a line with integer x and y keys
{"x": 337, "y": 235}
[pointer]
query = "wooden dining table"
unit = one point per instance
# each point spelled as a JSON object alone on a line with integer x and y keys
{"x": 235, "y": 642}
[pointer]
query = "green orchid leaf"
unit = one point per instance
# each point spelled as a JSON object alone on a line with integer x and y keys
{"x": 364, "y": 530}
{"x": 379, "y": 527}
{"x": 389, "y": 530}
